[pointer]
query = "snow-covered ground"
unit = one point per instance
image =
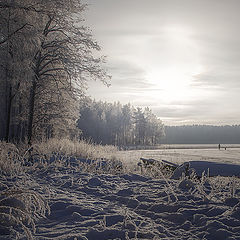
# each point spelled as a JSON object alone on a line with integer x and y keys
{"x": 129, "y": 205}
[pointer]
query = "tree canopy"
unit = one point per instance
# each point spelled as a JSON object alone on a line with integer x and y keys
{"x": 47, "y": 58}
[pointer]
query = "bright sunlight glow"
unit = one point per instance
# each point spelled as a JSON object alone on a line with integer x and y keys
{"x": 174, "y": 76}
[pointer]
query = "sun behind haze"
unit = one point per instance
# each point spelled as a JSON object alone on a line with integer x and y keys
{"x": 180, "y": 58}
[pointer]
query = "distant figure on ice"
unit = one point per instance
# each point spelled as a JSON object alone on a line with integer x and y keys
{"x": 219, "y": 146}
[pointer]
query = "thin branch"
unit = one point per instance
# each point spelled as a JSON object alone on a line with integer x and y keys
{"x": 11, "y": 34}
{"x": 51, "y": 70}
{"x": 48, "y": 62}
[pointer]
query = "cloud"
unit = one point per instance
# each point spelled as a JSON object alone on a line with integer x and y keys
{"x": 133, "y": 35}
{"x": 198, "y": 113}
{"x": 128, "y": 83}
{"x": 221, "y": 61}
{"x": 126, "y": 73}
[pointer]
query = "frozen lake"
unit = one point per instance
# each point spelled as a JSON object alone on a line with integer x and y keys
{"x": 182, "y": 153}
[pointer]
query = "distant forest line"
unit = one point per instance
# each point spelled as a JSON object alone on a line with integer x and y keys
{"x": 120, "y": 125}
{"x": 202, "y": 134}
{"x": 126, "y": 125}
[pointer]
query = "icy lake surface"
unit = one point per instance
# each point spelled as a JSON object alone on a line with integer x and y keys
{"x": 181, "y": 154}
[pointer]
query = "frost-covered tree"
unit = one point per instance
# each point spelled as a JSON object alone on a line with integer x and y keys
{"x": 140, "y": 124}
{"x": 118, "y": 124}
{"x": 58, "y": 54}
{"x": 64, "y": 58}
{"x": 14, "y": 62}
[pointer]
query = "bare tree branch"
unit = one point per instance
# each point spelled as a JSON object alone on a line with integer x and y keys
{"x": 13, "y": 33}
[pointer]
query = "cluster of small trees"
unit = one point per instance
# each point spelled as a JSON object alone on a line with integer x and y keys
{"x": 118, "y": 124}
{"x": 46, "y": 59}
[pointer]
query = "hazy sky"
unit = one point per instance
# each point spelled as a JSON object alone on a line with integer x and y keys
{"x": 179, "y": 57}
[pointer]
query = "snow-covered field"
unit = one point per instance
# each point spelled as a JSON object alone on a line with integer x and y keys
{"x": 86, "y": 203}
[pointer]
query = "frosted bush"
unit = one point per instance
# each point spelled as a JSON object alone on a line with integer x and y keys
{"x": 11, "y": 162}
{"x": 74, "y": 148}
{"x": 19, "y": 209}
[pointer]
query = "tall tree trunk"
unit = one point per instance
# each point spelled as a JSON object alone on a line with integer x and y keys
{"x": 9, "y": 107}
{"x": 32, "y": 97}
{"x": 8, "y": 87}
{"x": 31, "y": 110}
